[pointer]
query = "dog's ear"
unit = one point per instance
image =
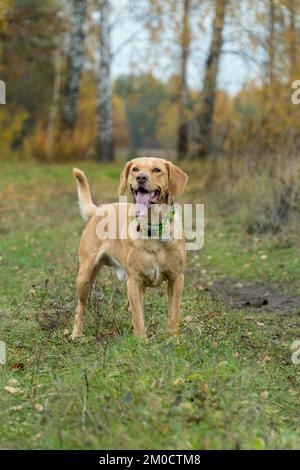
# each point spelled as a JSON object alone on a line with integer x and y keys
{"x": 177, "y": 180}
{"x": 123, "y": 178}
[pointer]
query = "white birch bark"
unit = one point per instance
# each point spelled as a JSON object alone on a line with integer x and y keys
{"x": 75, "y": 64}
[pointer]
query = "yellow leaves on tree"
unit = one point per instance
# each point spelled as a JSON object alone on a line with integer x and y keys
{"x": 4, "y": 6}
{"x": 10, "y": 128}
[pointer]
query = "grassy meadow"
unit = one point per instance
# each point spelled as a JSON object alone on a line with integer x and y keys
{"x": 227, "y": 382}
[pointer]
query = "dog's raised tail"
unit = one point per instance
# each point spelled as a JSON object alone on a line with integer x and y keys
{"x": 87, "y": 207}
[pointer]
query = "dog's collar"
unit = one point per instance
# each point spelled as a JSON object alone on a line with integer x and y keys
{"x": 158, "y": 229}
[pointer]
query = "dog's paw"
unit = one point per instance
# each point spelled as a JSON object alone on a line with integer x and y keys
{"x": 141, "y": 337}
{"x": 173, "y": 332}
{"x": 76, "y": 336}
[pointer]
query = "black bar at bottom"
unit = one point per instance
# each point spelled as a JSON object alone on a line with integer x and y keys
{"x": 135, "y": 459}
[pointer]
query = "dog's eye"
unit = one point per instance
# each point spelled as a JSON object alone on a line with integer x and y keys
{"x": 156, "y": 170}
{"x": 135, "y": 169}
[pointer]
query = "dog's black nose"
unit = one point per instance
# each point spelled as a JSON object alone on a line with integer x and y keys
{"x": 142, "y": 177}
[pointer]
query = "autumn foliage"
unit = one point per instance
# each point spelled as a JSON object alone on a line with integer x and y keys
{"x": 148, "y": 110}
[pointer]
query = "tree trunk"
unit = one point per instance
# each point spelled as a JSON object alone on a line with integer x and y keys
{"x": 183, "y": 134}
{"x": 205, "y": 115}
{"x": 293, "y": 39}
{"x": 75, "y": 64}
{"x": 271, "y": 42}
{"x": 54, "y": 107}
{"x": 104, "y": 139}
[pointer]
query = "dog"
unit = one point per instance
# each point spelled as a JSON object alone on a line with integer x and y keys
{"x": 142, "y": 260}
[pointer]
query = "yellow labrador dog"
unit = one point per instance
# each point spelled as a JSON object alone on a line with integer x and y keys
{"x": 145, "y": 254}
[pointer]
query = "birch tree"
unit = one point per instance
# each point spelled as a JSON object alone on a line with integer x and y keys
{"x": 291, "y": 36}
{"x": 271, "y": 41}
{"x": 75, "y": 64}
{"x": 205, "y": 115}
{"x": 104, "y": 139}
{"x": 182, "y": 143}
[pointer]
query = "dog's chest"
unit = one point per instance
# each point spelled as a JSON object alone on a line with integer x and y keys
{"x": 153, "y": 275}
{"x": 153, "y": 268}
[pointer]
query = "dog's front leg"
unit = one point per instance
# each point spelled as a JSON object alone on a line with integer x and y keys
{"x": 135, "y": 292}
{"x": 175, "y": 288}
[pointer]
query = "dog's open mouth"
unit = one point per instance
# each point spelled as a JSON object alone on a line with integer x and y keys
{"x": 143, "y": 199}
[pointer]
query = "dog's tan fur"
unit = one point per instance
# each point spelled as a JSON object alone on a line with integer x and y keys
{"x": 146, "y": 262}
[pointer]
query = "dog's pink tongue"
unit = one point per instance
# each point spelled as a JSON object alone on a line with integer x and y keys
{"x": 142, "y": 202}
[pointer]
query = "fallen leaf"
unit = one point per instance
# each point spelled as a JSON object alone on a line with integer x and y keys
{"x": 201, "y": 288}
{"x": 17, "y": 366}
{"x": 264, "y": 394}
{"x": 39, "y": 385}
{"x": 178, "y": 382}
{"x": 16, "y": 408}
{"x": 13, "y": 382}
{"x": 38, "y": 407}
{"x": 266, "y": 359}
{"x": 12, "y": 389}
{"x": 188, "y": 319}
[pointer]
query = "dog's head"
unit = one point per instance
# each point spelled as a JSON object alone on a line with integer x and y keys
{"x": 152, "y": 180}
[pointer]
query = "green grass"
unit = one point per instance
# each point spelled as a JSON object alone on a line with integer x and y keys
{"x": 227, "y": 382}
{"x": 230, "y": 251}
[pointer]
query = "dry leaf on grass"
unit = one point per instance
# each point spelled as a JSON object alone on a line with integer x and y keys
{"x": 178, "y": 382}
{"x": 13, "y": 382}
{"x": 16, "y": 408}
{"x": 266, "y": 359}
{"x": 38, "y": 407}
{"x": 12, "y": 389}
{"x": 188, "y": 319}
{"x": 17, "y": 366}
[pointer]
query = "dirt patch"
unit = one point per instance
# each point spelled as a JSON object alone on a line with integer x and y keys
{"x": 240, "y": 295}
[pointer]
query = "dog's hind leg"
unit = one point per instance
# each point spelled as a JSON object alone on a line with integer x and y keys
{"x": 87, "y": 273}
